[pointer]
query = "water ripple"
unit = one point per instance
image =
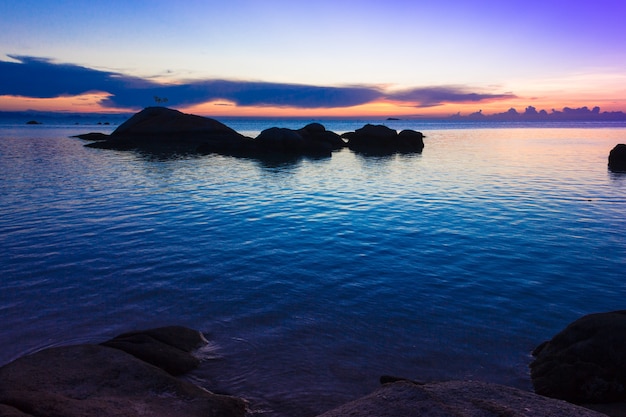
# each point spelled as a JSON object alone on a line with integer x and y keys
{"x": 316, "y": 277}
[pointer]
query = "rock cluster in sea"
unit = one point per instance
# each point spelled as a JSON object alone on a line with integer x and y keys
{"x": 136, "y": 374}
{"x": 163, "y": 130}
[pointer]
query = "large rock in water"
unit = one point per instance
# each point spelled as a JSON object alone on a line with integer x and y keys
{"x": 316, "y": 132}
{"x": 162, "y": 129}
{"x": 584, "y": 363}
{"x": 617, "y": 158}
{"x": 380, "y": 139}
{"x": 97, "y": 380}
{"x": 311, "y": 140}
{"x": 280, "y": 140}
{"x": 456, "y": 399}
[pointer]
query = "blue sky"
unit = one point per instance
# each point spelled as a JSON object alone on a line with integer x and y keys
{"x": 368, "y": 56}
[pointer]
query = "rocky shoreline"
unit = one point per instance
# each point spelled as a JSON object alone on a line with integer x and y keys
{"x": 137, "y": 374}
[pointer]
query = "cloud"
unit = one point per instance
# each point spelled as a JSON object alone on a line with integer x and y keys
{"x": 248, "y": 93}
{"x": 43, "y": 78}
{"x": 436, "y": 96}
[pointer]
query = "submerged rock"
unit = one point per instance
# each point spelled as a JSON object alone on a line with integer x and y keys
{"x": 97, "y": 380}
{"x": 617, "y": 158}
{"x": 456, "y": 399}
{"x": 380, "y": 139}
{"x": 169, "y": 348}
{"x": 584, "y": 363}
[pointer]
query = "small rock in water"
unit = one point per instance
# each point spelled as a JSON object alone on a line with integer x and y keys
{"x": 617, "y": 158}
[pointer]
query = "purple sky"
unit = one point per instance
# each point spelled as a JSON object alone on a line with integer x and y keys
{"x": 343, "y": 56}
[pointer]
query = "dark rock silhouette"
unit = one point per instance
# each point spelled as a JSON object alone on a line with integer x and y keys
{"x": 410, "y": 141}
{"x": 456, "y": 399}
{"x": 584, "y": 363}
{"x": 99, "y": 380}
{"x": 160, "y": 130}
{"x": 617, "y": 158}
{"x": 287, "y": 141}
{"x": 163, "y": 129}
{"x": 380, "y": 139}
{"x": 316, "y": 132}
{"x": 33, "y": 122}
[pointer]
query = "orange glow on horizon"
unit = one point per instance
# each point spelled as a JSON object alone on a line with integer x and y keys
{"x": 92, "y": 103}
{"x": 84, "y": 103}
{"x": 377, "y": 109}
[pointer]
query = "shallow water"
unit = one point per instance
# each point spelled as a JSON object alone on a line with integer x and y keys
{"x": 315, "y": 277}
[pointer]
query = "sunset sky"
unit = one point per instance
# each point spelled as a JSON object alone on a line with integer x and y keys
{"x": 322, "y": 58}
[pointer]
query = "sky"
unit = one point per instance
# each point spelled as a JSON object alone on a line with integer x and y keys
{"x": 313, "y": 58}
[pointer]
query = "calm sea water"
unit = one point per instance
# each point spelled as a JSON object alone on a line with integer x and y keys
{"x": 314, "y": 277}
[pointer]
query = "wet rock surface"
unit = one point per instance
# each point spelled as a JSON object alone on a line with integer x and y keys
{"x": 97, "y": 380}
{"x": 456, "y": 399}
{"x": 585, "y": 362}
{"x": 133, "y": 374}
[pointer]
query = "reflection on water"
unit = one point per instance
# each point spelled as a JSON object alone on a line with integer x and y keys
{"x": 315, "y": 277}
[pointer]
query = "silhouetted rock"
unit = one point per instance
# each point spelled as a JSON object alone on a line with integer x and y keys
{"x": 380, "y": 139}
{"x": 584, "y": 363}
{"x": 96, "y": 380}
{"x": 288, "y": 141}
{"x": 456, "y": 399}
{"x": 317, "y": 132}
{"x": 33, "y": 122}
{"x": 410, "y": 141}
{"x": 617, "y": 158}
{"x": 162, "y": 129}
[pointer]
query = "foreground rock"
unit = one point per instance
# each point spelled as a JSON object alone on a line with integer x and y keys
{"x": 98, "y": 380}
{"x": 617, "y": 158}
{"x": 379, "y": 139}
{"x": 456, "y": 399}
{"x": 170, "y": 348}
{"x": 584, "y": 363}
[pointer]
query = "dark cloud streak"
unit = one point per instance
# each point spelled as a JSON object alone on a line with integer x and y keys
{"x": 42, "y": 78}
{"x": 436, "y": 96}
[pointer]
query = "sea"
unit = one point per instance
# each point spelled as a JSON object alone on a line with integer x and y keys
{"x": 311, "y": 278}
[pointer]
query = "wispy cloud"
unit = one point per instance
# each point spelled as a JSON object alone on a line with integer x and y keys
{"x": 42, "y": 78}
{"x": 436, "y": 96}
